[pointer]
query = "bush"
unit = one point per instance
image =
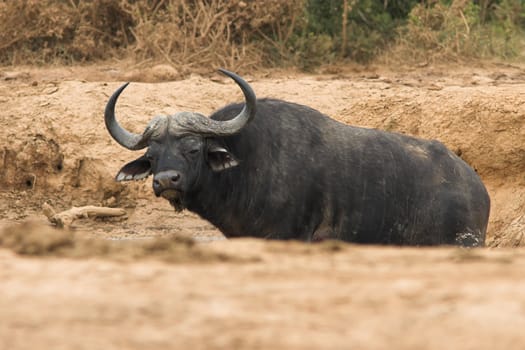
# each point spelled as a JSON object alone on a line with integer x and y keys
{"x": 215, "y": 32}
{"x": 42, "y": 31}
{"x": 246, "y": 35}
{"x": 186, "y": 33}
{"x": 462, "y": 29}
{"x": 365, "y": 31}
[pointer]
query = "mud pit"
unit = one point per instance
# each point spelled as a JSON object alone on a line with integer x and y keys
{"x": 113, "y": 283}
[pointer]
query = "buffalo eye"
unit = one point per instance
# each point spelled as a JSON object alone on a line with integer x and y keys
{"x": 193, "y": 151}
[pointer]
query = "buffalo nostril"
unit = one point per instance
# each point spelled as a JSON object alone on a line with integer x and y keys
{"x": 156, "y": 183}
{"x": 175, "y": 178}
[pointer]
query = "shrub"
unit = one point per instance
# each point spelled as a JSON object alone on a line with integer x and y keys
{"x": 214, "y": 32}
{"x": 40, "y": 31}
{"x": 245, "y": 35}
{"x": 462, "y": 29}
{"x": 367, "y": 28}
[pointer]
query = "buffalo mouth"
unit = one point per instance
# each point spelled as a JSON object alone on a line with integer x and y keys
{"x": 174, "y": 197}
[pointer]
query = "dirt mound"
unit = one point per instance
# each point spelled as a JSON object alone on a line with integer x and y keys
{"x": 25, "y": 161}
{"x": 298, "y": 297}
{"x": 33, "y": 238}
{"x": 35, "y": 163}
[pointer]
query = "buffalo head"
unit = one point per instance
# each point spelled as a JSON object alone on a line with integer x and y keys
{"x": 179, "y": 145}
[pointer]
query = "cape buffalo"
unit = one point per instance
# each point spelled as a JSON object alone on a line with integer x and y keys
{"x": 274, "y": 169}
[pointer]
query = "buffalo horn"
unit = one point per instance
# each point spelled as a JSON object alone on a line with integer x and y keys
{"x": 183, "y": 122}
{"x": 122, "y": 136}
{"x": 205, "y": 126}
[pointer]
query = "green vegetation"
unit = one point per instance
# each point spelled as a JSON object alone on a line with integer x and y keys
{"x": 463, "y": 29}
{"x": 259, "y": 33}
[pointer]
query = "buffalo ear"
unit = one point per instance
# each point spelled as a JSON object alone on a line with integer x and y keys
{"x": 219, "y": 158}
{"x": 137, "y": 169}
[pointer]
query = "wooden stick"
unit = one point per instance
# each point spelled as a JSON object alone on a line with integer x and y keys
{"x": 66, "y": 218}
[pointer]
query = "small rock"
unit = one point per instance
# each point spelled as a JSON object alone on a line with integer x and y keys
{"x": 164, "y": 72}
{"x": 372, "y": 76}
{"x": 434, "y": 87}
{"x": 50, "y": 90}
{"x": 111, "y": 201}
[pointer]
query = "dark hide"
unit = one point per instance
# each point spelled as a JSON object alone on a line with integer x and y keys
{"x": 301, "y": 175}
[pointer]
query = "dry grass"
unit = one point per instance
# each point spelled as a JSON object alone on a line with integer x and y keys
{"x": 440, "y": 33}
{"x": 201, "y": 35}
{"x": 184, "y": 33}
{"x": 44, "y": 31}
{"x": 212, "y": 33}
{"x": 196, "y": 33}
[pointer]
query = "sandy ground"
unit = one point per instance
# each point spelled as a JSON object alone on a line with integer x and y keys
{"x": 126, "y": 283}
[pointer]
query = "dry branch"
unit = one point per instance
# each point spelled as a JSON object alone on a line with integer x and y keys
{"x": 66, "y": 218}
